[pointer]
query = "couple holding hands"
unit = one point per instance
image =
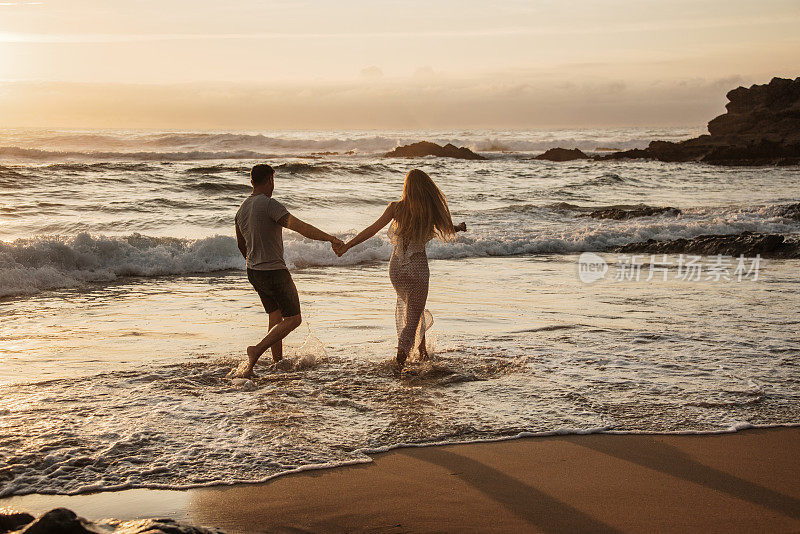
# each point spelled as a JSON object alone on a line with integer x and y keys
{"x": 420, "y": 215}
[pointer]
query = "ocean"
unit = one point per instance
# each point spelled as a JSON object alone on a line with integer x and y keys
{"x": 124, "y": 304}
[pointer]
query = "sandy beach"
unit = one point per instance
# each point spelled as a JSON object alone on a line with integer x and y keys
{"x": 743, "y": 482}
{"x": 399, "y": 267}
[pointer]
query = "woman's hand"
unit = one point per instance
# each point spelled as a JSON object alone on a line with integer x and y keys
{"x": 340, "y": 248}
{"x": 461, "y": 227}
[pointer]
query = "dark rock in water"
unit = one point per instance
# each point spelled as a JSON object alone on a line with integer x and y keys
{"x": 10, "y": 520}
{"x": 792, "y": 211}
{"x": 628, "y": 212}
{"x": 426, "y": 148}
{"x": 761, "y": 127}
{"x": 562, "y": 154}
{"x": 634, "y": 153}
{"x": 617, "y": 211}
{"x": 64, "y": 521}
{"x": 747, "y": 243}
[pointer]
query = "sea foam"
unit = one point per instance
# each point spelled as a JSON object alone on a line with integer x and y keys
{"x": 28, "y": 266}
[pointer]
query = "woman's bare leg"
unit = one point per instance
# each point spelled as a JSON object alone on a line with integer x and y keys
{"x": 415, "y": 307}
{"x": 423, "y": 350}
{"x": 401, "y": 358}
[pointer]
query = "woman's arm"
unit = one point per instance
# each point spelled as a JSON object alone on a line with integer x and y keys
{"x": 370, "y": 230}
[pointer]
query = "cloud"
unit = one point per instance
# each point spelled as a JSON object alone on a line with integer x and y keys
{"x": 426, "y": 73}
{"x": 489, "y": 102}
{"x": 372, "y": 72}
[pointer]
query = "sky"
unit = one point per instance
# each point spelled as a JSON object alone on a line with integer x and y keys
{"x": 250, "y": 64}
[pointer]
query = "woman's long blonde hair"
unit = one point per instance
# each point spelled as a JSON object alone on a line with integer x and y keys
{"x": 422, "y": 212}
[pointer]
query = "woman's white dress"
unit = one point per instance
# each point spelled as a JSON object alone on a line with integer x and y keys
{"x": 409, "y": 273}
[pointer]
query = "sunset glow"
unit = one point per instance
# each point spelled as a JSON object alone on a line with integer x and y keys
{"x": 366, "y": 64}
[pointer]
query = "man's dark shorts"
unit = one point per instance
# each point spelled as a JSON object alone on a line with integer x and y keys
{"x": 277, "y": 291}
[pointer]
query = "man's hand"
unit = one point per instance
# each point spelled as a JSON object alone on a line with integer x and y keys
{"x": 461, "y": 227}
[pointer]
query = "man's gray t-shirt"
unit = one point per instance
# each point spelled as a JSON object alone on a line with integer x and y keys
{"x": 257, "y": 220}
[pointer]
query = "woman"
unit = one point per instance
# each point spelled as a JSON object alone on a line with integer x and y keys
{"x": 419, "y": 215}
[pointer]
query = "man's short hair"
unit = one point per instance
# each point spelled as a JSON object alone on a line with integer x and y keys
{"x": 261, "y": 174}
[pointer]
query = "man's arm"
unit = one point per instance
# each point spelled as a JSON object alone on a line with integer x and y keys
{"x": 240, "y": 242}
{"x": 303, "y": 228}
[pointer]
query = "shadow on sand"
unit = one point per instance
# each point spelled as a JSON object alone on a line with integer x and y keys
{"x": 648, "y": 451}
{"x": 533, "y": 505}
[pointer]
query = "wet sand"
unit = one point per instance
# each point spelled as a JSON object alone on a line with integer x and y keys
{"x": 742, "y": 482}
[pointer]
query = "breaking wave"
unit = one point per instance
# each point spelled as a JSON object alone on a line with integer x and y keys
{"x": 29, "y": 266}
{"x": 187, "y": 146}
{"x": 189, "y": 155}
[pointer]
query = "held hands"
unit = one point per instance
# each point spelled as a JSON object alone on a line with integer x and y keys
{"x": 461, "y": 227}
{"x": 340, "y": 248}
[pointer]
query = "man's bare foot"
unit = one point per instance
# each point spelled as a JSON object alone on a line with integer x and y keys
{"x": 244, "y": 370}
{"x": 248, "y": 373}
{"x": 253, "y": 355}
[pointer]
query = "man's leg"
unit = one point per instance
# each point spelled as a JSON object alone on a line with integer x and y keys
{"x": 275, "y": 335}
{"x": 277, "y": 348}
{"x": 279, "y": 294}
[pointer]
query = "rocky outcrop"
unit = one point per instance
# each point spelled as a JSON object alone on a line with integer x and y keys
{"x": 562, "y": 154}
{"x": 64, "y": 521}
{"x": 628, "y": 212}
{"x": 11, "y": 520}
{"x": 426, "y": 148}
{"x": 747, "y": 243}
{"x": 761, "y": 127}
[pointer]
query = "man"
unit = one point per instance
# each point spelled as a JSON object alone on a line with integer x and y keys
{"x": 259, "y": 235}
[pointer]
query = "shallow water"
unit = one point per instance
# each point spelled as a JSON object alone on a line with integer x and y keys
{"x": 121, "y": 320}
